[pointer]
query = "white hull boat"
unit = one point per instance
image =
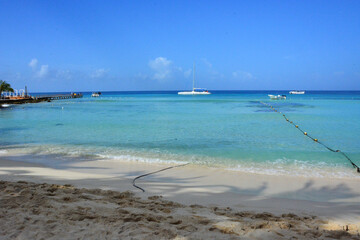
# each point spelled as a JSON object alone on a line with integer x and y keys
{"x": 96, "y": 94}
{"x": 195, "y": 91}
{"x": 297, "y": 92}
{"x": 277, "y": 97}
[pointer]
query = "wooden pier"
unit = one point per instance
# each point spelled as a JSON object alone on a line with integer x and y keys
{"x": 36, "y": 99}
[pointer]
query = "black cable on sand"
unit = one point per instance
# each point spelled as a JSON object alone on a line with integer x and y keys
{"x": 147, "y": 174}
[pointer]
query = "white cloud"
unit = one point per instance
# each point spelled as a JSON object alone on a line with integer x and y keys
{"x": 50, "y": 73}
{"x": 162, "y": 68}
{"x": 98, "y": 73}
{"x": 243, "y": 75}
{"x": 43, "y": 72}
{"x": 33, "y": 63}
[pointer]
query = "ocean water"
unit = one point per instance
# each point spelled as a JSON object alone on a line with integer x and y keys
{"x": 228, "y": 129}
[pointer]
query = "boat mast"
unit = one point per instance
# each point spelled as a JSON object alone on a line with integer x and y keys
{"x": 194, "y": 77}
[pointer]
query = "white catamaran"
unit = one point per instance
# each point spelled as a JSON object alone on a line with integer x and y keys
{"x": 195, "y": 91}
{"x": 297, "y": 92}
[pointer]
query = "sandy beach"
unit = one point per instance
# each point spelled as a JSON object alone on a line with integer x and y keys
{"x": 96, "y": 199}
{"x": 179, "y": 120}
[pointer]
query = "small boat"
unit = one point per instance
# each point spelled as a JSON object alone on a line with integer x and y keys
{"x": 96, "y": 94}
{"x": 277, "y": 97}
{"x": 297, "y": 92}
{"x": 195, "y": 91}
{"x": 5, "y": 105}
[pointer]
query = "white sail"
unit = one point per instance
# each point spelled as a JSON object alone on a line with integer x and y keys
{"x": 195, "y": 91}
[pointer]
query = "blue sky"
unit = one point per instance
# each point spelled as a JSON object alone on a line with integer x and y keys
{"x": 151, "y": 45}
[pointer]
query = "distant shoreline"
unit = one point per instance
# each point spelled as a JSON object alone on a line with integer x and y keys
{"x": 215, "y": 91}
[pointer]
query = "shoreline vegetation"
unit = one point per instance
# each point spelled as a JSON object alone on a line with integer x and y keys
{"x": 10, "y": 96}
{"x": 30, "y": 99}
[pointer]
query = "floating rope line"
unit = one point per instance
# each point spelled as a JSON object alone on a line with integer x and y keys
{"x": 147, "y": 174}
{"x": 314, "y": 139}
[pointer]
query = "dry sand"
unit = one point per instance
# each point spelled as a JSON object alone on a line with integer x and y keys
{"x": 197, "y": 203}
{"x": 49, "y": 211}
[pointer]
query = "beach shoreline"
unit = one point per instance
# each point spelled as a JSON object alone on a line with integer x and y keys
{"x": 335, "y": 202}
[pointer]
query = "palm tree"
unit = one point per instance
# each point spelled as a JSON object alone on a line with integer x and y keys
{"x": 5, "y": 87}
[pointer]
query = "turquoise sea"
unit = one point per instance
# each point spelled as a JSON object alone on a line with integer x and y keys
{"x": 228, "y": 129}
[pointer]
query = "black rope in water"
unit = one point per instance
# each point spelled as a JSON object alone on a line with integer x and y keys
{"x": 147, "y": 174}
{"x": 314, "y": 139}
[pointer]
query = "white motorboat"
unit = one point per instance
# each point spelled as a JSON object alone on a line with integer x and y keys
{"x": 297, "y": 92}
{"x": 5, "y": 105}
{"x": 277, "y": 97}
{"x": 195, "y": 91}
{"x": 96, "y": 94}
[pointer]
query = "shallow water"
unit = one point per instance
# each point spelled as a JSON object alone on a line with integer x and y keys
{"x": 226, "y": 129}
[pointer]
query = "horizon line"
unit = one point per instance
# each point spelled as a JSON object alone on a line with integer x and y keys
{"x": 313, "y": 90}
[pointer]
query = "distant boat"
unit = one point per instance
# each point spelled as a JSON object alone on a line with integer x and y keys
{"x": 277, "y": 97}
{"x": 195, "y": 91}
{"x": 5, "y": 105}
{"x": 297, "y": 92}
{"x": 96, "y": 94}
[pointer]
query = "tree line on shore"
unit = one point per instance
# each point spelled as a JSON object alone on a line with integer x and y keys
{"x": 5, "y": 87}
